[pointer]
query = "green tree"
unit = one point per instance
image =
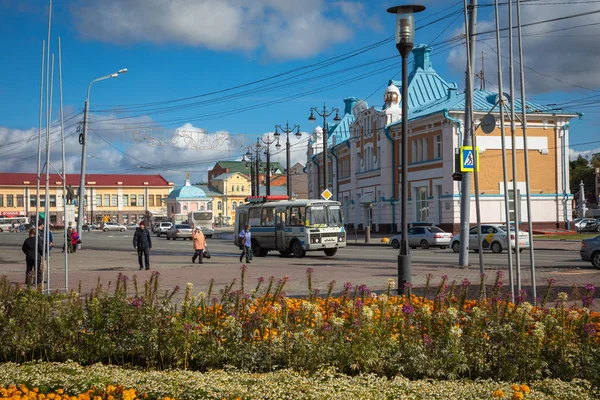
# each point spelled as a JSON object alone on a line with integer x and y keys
{"x": 582, "y": 169}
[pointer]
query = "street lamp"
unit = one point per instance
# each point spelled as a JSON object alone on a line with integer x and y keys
{"x": 287, "y": 131}
{"x": 83, "y": 142}
{"x": 249, "y": 158}
{"x": 268, "y": 142}
{"x": 312, "y": 119}
{"x": 405, "y": 33}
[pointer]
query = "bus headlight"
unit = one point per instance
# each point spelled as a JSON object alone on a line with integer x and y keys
{"x": 340, "y": 239}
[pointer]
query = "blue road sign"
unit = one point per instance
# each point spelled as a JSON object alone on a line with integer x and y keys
{"x": 469, "y": 158}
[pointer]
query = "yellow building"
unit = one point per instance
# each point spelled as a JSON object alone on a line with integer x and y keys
{"x": 229, "y": 191}
{"x": 119, "y": 198}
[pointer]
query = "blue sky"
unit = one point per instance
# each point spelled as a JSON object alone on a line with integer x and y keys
{"x": 191, "y": 48}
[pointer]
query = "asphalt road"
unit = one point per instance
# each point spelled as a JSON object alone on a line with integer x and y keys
{"x": 222, "y": 247}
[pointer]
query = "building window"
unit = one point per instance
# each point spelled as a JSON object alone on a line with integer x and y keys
{"x": 125, "y": 200}
{"x": 52, "y": 200}
{"x": 425, "y": 149}
{"x": 233, "y": 205}
{"x": 419, "y": 150}
{"x": 20, "y": 200}
{"x": 209, "y": 206}
{"x": 232, "y": 188}
{"x": 98, "y": 200}
{"x": 437, "y": 147}
{"x": 422, "y": 206}
{"x": 511, "y": 205}
{"x": 438, "y": 190}
{"x": 141, "y": 200}
{"x": 358, "y": 169}
{"x": 151, "y": 200}
{"x": 158, "y": 200}
{"x": 114, "y": 200}
{"x": 10, "y": 200}
{"x": 237, "y": 188}
{"x": 32, "y": 201}
{"x": 219, "y": 206}
{"x": 413, "y": 155}
{"x": 133, "y": 200}
{"x": 106, "y": 200}
{"x": 378, "y": 163}
{"x": 2, "y": 200}
{"x": 42, "y": 200}
{"x": 242, "y": 188}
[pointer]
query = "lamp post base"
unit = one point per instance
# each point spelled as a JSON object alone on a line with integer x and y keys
{"x": 404, "y": 273}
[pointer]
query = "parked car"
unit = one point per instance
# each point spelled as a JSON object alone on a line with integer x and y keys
{"x": 590, "y": 250}
{"x": 182, "y": 231}
{"x": 424, "y": 237}
{"x": 113, "y": 226}
{"x": 588, "y": 225}
{"x": 495, "y": 238}
{"x": 155, "y": 227}
{"x": 163, "y": 228}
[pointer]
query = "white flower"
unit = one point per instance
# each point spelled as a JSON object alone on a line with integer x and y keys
{"x": 426, "y": 310}
{"x": 452, "y": 312}
{"x": 391, "y": 283}
{"x": 383, "y": 298}
{"x": 367, "y": 312}
{"x": 562, "y": 296}
{"x": 455, "y": 330}
{"x": 337, "y": 321}
{"x": 538, "y": 330}
{"x": 525, "y": 307}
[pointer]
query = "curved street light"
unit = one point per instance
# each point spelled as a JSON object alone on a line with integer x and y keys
{"x": 277, "y": 135}
{"x": 312, "y": 119}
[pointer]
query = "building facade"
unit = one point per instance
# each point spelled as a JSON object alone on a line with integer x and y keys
{"x": 119, "y": 198}
{"x": 185, "y": 199}
{"x": 364, "y": 157}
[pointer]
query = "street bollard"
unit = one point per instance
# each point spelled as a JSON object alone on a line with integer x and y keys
{"x": 367, "y": 234}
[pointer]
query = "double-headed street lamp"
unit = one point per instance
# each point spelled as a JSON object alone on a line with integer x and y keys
{"x": 324, "y": 114}
{"x": 405, "y": 41}
{"x": 268, "y": 141}
{"x": 249, "y": 158}
{"x": 83, "y": 142}
{"x": 254, "y": 158}
{"x": 287, "y": 131}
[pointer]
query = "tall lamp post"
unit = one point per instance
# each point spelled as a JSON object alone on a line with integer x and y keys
{"x": 254, "y": 158}
{"x": 268, "y": 142}
{"x": 405, "y": 32}
{"x": 83, "y": 142}
{"x": 249, "y": 158}
{"x": 287, "y": 132}
{"x": 324, "y": 114}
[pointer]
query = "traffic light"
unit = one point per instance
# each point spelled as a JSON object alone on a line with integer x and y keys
{"x": 457, "y": 175}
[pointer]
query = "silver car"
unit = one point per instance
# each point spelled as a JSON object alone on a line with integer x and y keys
{"x": 590, "y": 250}
{"x": 182, "y": 231}
{"x": 113, "y": 226}
{"x": 424, "y": 237}
{"x": 494, "y": 237}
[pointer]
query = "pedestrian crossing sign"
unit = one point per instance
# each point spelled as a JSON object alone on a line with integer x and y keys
{"x": 469, "y": 158}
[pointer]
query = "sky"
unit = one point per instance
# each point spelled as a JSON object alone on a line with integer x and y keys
{"x": 207, "y": 78}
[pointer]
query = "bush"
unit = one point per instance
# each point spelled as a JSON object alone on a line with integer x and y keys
{"x": 355, "y": 332}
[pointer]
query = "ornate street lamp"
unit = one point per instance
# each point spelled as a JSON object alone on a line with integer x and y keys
{"x": 277, "y": 135}
{"x": 405, "y": 41}
{"x": 312, "y": 119}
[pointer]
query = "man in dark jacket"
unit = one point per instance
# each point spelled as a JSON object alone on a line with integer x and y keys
{"x": 29, "y": 248}
{"x": 143, "y": 243}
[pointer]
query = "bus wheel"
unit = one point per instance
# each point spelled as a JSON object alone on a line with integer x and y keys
{"x": 298, "y": 250}
{"x": 257, "y": 250}
{"x": 331, "y": 252}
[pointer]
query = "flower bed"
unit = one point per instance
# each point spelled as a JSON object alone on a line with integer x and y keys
{"x": 68, "y": 380}
{"x": 446, "y": 337}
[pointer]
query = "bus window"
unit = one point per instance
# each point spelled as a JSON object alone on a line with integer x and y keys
{"x": 335, "y": 216}
{"x": 296, "y": 216}
{"x": 254, "y": 216}
{"x": 268, "y": 216}
{"x": 316, "y": 217}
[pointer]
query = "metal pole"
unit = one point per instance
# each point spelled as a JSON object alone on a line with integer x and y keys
{"x": 404, "y": 264}
{"x": 64, "y": 172}
{"x": 47, "y": 189}
{"x": 516, "y": 197}
{"x": 325, "y": 182}
{"x": 288, "y": 179}
{"x": 526, "y": 157}
{"x": 503, "y": 139}
{"x": 39, "y": 162}
{"x": 81, "y": 197}
{"x": 465, "y": 199}
{"x": 268, "y": 173}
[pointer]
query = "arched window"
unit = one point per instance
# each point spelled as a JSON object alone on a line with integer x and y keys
{"x": 238, "y": 188}
{"x": 233, "y": 205}
{"x": 210, "y": 206}
{"x": 219, "y": 206}
{"x": 241, "y": 203}
{"x": 232, "y": 188}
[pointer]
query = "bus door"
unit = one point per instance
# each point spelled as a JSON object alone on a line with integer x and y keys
{"x": 280, "y": 243}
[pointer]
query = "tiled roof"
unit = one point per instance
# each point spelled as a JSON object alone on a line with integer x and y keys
{"x": 17, "y": 179}
{"x": 211, "y": 191}
{"x": 187, "y": 192}
{"x": 222, "y": 177}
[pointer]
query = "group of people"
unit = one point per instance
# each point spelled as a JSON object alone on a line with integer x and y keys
{"x": 30, "y": 247}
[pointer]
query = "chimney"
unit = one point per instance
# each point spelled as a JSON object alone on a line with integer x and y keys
{"x": 421, "y": 58}
{"x": 349, "y": 102}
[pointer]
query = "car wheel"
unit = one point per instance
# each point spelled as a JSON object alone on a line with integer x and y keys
{"x": 298, "y": 250}
{"x": 596, "y": 259}
{"x": 1, "y": 230}
{"x": 424, "y": 244}
{"x": 105, "y": 230}
{"x": 395, "y": 244}
{"x": 331, "y": 252}
{"x": 157, "y": 234}
{"x": 456, "y": 247}
{"x": 168, "y": 238}
{"x": 122, "y": 230}
{"x": 496, "y": 247}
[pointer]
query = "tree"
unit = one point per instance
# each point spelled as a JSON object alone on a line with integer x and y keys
{"x": 582, "y": 169}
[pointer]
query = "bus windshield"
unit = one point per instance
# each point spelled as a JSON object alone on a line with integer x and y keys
{"x": 316, "y": 217}
{"x": 202, "y": 215}
{"x": 335, "y": 216}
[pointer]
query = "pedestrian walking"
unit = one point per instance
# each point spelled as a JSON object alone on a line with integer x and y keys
{"x": 199, "y": 245}
{"x": 30, "y": 246}
{"x": 142, "y": 242}
{"x": 42, "y": 234}
{"x": 245, "y": 241}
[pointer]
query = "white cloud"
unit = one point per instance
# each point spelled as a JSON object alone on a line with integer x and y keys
{"x": 574, "y": 154}
{"x": 283, "y": 28}
{"x": 560, "y": 59}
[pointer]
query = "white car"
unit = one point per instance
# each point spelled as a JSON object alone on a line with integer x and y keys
{"x": 494, "y": 238}
{"x": 162, "y": 228}
{"x": 113, "y": 226}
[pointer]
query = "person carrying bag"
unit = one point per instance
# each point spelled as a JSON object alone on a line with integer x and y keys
{"x": 245, "y": 243}
{"x": 200, "y": 250}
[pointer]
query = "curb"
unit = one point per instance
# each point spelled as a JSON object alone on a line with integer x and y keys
{"x": 387, "y": 245}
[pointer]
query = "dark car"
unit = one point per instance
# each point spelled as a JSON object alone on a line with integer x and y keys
{"x": 590, "y": 250}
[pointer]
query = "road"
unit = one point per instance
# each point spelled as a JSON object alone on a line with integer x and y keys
{"x": 104, "y": 255}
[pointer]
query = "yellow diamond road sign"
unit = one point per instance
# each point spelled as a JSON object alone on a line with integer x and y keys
{"x": 326, "y": 194}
